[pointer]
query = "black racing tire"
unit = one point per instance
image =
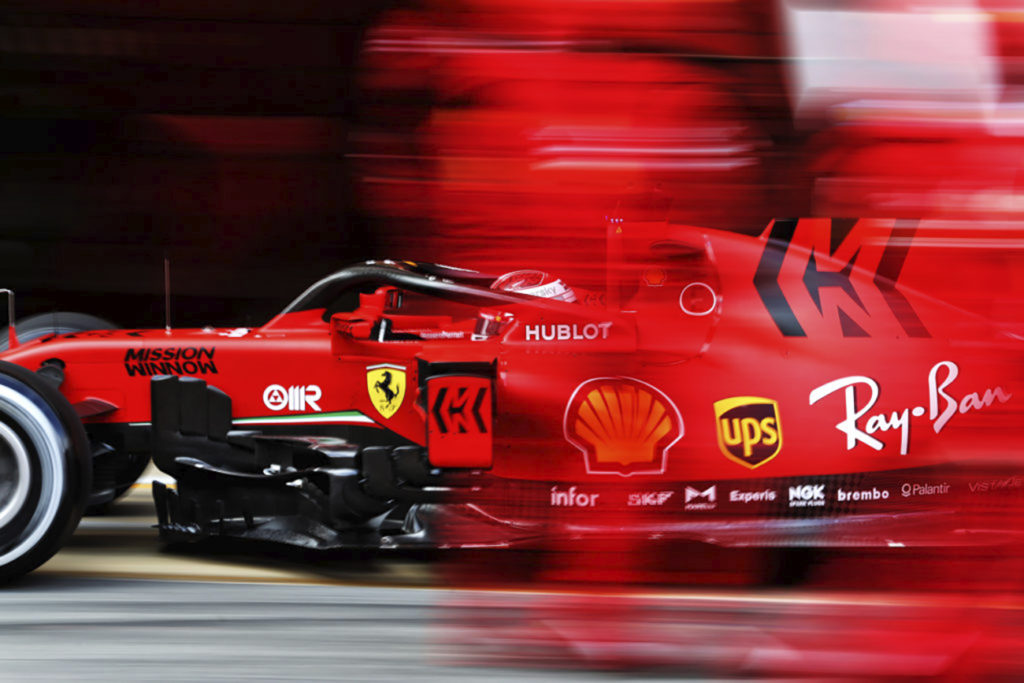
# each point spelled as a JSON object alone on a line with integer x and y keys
{"x": 45, "y": 470}
{"x": 64, "y": 322}
{"x": 60, "y": 322}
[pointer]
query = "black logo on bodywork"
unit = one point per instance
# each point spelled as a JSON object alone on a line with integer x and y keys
{"x": 453, "y": 412}
{"x": 766, "y": 278}
{"x": 176, "y": 360}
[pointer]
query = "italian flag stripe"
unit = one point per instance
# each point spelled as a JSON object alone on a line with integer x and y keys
{"x": 343, "y": 417}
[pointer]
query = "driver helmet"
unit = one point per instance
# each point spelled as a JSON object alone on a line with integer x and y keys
{"x": 535, "y": 283}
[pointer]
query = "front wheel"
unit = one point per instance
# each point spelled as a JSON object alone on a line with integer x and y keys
{"x": 60, "y": 322}
{"x": 45, "y": 471}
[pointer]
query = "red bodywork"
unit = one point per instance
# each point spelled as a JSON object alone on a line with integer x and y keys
{"x": 843, "y": 369}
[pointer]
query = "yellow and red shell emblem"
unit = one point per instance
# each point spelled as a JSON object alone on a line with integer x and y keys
{"x": 622, "y": 425}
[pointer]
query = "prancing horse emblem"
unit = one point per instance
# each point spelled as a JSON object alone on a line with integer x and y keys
{"x": 386, "y": 384}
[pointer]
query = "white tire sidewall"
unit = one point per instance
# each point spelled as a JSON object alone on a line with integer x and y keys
{"x": 19, "y": 495}
{"x": 47, "y": 443}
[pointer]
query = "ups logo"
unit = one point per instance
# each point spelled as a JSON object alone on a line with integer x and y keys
{"x": 748, "y": 429}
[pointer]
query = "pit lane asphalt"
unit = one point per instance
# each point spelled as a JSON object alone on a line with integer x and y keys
{"x": 115, "y": 605}
{"x": 71, "y": 629}
{"x": 55, "y": 628}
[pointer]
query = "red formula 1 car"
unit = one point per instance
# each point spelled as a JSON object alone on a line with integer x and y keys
{"x": 831, "y": 382}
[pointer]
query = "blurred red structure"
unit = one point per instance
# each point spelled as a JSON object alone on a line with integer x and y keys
{"x": 522, "y": 122}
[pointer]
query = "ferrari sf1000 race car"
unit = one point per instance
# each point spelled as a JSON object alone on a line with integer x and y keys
{"x": 832, "y": 382}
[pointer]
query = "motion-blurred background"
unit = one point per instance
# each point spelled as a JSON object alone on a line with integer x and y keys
{"x": 260, "y": 145}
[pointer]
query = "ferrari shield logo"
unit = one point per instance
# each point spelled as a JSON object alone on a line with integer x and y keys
{"x": 386, "y": 384}
{"x": 748, "y": 429}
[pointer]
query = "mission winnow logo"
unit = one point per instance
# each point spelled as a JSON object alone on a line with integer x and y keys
{"x": 175, "y": 360}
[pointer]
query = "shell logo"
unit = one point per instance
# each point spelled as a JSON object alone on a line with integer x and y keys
{"x": 622, "y": 425}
